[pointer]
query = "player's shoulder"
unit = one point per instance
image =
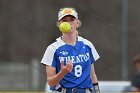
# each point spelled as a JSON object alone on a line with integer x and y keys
{"x": 85, "y": 41}
{"x": 58, "y": 43}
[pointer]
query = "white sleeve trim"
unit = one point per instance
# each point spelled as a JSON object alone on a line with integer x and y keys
{"x": 94, "y": 53}
{"x": 48, "y": 55}
{"x": 93, "y": 50}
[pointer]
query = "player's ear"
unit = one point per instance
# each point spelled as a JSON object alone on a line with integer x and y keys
{"x": 79, "y": 23}
{"x": 57, "y": 23}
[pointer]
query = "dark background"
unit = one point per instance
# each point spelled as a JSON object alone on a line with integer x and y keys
{"x": 27, "y": 27}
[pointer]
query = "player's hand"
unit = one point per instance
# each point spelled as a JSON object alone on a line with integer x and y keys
{"x": 95, "y": 88}
{"x": 68, "y": 68}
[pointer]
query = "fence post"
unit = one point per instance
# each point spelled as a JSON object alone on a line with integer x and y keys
{"x": 35, "y": 70}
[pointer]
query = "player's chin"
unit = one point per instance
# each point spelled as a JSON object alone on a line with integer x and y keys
{"x": 72, "y": 30}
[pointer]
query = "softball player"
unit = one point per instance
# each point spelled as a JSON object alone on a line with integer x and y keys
{"x": 70, "y": 59}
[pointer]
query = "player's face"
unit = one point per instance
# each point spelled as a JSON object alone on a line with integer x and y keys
{"x": 72, "y": 20}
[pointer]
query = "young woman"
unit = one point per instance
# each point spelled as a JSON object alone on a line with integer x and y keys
{"x": 70, "y": 60}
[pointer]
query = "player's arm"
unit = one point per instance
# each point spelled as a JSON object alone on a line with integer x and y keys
{"x": 93, "y": 74}
{"x": 94, "y": 80}
{"x": 53, "y": 78}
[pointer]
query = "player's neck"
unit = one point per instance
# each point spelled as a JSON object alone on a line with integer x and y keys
{"x": 70, "y": 38}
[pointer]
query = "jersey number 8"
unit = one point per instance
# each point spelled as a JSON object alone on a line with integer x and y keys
{"x": 78, "y": 70}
